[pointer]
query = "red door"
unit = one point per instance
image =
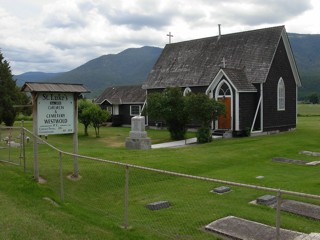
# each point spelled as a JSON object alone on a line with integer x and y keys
{"x": 224, "y": 121}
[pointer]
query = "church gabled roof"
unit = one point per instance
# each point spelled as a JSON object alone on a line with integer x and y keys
{"x": 239, "y": 80}
{"x": 196, "y": 62}
{"x": 122, "y": 95}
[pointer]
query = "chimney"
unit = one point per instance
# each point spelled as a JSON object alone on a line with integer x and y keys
{"x": 219, "y": 26}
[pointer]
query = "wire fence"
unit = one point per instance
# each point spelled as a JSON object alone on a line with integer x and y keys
{"x": 129, "y": 194}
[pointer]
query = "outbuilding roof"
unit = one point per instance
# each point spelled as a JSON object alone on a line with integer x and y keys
{"x": 54, "y": 87}
{"x": 122, "y": 95}
{"x": 197, "y": 62}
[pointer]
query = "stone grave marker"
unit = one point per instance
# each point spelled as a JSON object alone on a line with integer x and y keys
{"x": 138, "y": 138}
{"x": 267, "y": 200}
{"x": 301, "y": 208}
{"x": 158, "y": 205}
{"x": 221, "y": 190}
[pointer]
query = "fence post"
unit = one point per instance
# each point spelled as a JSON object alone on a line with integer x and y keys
{"x": 61, "y": 179}
{"x": 35, "y": 133}
{"x": 278, "y": 215}
{"x": 126, "y": 193}
{"x": 9, "y": 145}
{"x": 23, "y": 145}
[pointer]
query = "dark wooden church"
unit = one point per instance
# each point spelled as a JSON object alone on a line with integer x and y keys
{"x": 254, "y": 73}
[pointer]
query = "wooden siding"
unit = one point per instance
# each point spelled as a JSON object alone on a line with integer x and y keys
{"x": 124, "y": 117}
{"x": 124, "y": 111}
{"x": 272, "y": 118}
{"x": 247, "y": 108}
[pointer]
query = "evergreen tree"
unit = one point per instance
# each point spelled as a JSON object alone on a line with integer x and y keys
{"x": 9, "y": 94}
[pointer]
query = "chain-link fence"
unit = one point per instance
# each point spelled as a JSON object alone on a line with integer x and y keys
{"x": 160, "y": 204}
{"x": 11, "y": 146}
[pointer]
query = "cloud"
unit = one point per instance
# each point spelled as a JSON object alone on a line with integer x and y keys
{"x": 66, "y": 14}
{"x": 59, "y": 35}
{"x": 254, "y": 12}
{"x": 138, "y": 21}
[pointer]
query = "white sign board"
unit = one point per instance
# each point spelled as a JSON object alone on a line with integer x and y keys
{"x": 55, "y": 113}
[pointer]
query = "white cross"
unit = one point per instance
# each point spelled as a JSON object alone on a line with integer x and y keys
{"x": 170, "y": 36}
{"x": 223, "y": 62}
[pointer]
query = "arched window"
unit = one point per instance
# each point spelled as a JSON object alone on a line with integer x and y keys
{"x": 224, "y": 90}
{"x": 186, "y": 91}
{"x": 281, "y": 95}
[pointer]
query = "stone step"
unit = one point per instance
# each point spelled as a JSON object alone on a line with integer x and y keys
{"x": 311, "y": 236}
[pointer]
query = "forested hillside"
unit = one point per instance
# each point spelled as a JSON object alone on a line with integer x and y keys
{"x": 132, "y": 66}
{"x": 306, "y": 50}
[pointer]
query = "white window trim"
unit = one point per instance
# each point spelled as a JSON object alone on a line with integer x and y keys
{"x": 217, "y": 95}
{"x": 115, "y": 110}
{"x": 281, "y": 95}
{"x": 131, "y": 114}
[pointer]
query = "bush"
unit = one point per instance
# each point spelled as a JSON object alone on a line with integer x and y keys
{"x": 204, "y": 135}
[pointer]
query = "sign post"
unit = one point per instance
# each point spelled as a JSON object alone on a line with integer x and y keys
{"x": 75, "y": 139}
{"x": 55, "y": 111}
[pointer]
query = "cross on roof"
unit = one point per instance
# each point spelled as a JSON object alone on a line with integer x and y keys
{"x": 170, "y": 36}
{"x": 223, "y": 62}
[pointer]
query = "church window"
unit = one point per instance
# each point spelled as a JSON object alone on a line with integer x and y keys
{"x": 281, "y": 95}
{"x": 224, "y": 90}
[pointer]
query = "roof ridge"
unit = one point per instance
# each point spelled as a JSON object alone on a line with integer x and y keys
{"x": 228, "y": 34}
{"x": 54, "y": 83}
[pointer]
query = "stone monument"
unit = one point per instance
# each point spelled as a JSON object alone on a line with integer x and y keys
{"x": 138, "y": 136}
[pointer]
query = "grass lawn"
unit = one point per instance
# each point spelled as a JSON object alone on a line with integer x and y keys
{"x": 94, "y": 205}
{"x": 309, "y": 109}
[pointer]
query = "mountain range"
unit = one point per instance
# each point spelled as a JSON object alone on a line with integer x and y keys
{"x": 131, "y": 67}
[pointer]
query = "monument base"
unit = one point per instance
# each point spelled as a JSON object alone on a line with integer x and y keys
{"x": 138, "y": 143}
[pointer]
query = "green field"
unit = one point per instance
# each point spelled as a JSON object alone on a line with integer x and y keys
{"x": 93, "y": 206}
{"x": 309, "y": 109}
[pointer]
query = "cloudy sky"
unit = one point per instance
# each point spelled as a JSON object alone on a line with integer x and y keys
{"x": 59, "y": 35}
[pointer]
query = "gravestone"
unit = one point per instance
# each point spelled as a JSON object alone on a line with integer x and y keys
{"x": 221, "y": 189}
{"x": 267, "y": 200}
{"x": 158, "y": 205}
{"x": 301, "y": 208}
{"x": 138, "y": 138}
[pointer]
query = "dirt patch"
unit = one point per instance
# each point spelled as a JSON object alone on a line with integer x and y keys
{"x": 116, "y": 141}
{"x": 73, "y": 178}
{"x": 41, "y": 180}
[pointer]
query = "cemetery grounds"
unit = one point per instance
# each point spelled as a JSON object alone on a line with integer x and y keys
{"x": 93, "y": 205}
